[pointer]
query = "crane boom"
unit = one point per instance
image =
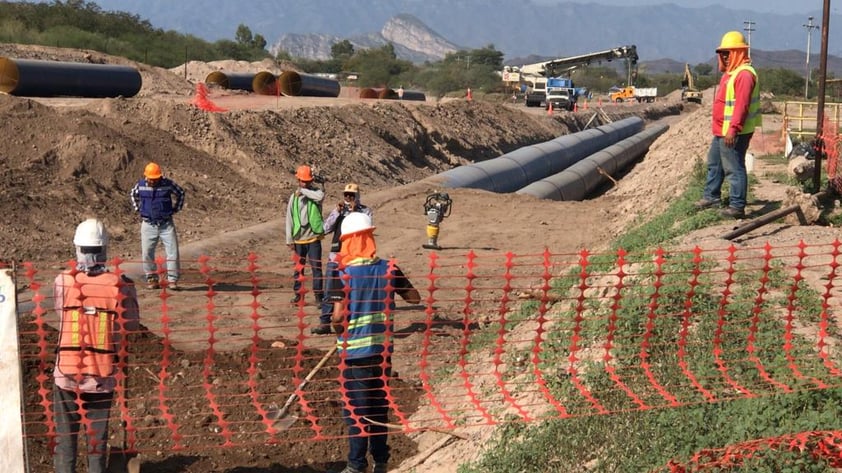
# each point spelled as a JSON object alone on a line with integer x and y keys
{"x": 552, "y": 67}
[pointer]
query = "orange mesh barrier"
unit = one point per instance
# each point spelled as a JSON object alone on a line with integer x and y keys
{"x": 497, "y": 338}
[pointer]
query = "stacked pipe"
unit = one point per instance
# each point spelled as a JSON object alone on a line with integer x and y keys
{"x": 585, "y": 176}
{"x": 519, "y": 168}
{"x": 289, "y": 83}
{"x": 391, "y": 94}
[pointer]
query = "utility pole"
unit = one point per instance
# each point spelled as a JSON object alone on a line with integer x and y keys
{"x": 810, "y": 27}
{"x": 748, "y": 27}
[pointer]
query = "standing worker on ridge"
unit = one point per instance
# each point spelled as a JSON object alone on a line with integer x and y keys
{"x": 363, "y": 319}
{"x": 304, "y": 230}
{"x": 152, "y": 197}
{"x": 333, "y": 223}
{"x": 736, "y": 113}
{"x": 95, "y": 307}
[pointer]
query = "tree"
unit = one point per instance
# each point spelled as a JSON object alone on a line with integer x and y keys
{"x": 342, "y": 51}
{"x": 243, "y": 35}
{"x": 703, "y": 69}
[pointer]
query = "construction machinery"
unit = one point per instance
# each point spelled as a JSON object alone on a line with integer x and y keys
{"x": 534, "y": 76}
{"x": 436, "y": 208}
{"x": 689, "y": 92}
{"x": 640, "y": 94}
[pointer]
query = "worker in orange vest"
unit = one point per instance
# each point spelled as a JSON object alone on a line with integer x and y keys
{"x": 96, "y": 309}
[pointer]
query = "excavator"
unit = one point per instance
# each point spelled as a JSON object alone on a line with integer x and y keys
{"x": 534, "y": 76}
{"x": 689, "y": 92}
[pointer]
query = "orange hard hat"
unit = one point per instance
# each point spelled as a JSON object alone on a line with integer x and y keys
{"x": 152, "y": 171}
{"x": 304, "y": 173}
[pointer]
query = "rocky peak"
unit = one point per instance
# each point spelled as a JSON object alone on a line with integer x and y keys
{"x": 410, "y": 32}
{"x": 413, "y": 40}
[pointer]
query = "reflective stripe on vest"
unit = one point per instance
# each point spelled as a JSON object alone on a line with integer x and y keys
{"x": 753, "y": 118}
{"x": 370, "y": 301}
{"x": 88, "y": 324}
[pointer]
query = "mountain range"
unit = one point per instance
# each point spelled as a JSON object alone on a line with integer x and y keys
{"x": 518, "y": 29}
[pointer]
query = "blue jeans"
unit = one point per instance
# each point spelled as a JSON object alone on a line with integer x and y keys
{"x": 312, "y": 254}
{"x": 364, "y": 383}
{"x": 68, "y": 422}
{"x": 149, "y": 236}
{"x": 724, "y": 162}
{"x": 331, "y": 286}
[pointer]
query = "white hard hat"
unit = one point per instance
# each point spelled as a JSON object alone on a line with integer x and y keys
{"x": 91, "y": 232}
{"x": 355, "y": 222}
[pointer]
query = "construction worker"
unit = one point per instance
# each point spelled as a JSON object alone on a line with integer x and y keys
{"x": 333, "y": 223}
{"x": 736, "y": 114}
{"x": 157, "y": 199}
{"x": 96, "y": 308}
{"x": 363, "y": 321}
{"x": 304, "y": 231}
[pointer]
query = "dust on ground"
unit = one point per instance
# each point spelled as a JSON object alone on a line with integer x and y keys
{"x": 66, "y": 159}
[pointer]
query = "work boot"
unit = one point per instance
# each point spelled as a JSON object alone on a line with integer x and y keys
{"x": 152, "y": 283}
{"x": 173, "y": 286}
{"x": 732, "y": 212}
{"x": 350, "y": 469}
{"x": 295, "y": 299}
{"x": 320, "y": 330}
{"x": 706, "y": 204}
{"x": 379, "y": 468}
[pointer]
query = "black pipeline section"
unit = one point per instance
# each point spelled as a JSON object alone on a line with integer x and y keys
{"x": 35, "y": 78}
{"x": 295, "y": 84}
{"x": 231, "y": 80}
{"x": 391, "y": 94}
{"x": 519, "y": 168}
{"x": 582, "y": 178}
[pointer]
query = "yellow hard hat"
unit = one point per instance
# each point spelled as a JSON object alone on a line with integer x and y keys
{"x": 152, "y": 171}
{"x": 732, "y": 40}
{"x": 304, "y": 173}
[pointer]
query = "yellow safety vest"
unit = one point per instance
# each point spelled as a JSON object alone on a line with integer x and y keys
{"x": 754, "y": 119}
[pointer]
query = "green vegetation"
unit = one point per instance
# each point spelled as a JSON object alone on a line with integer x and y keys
{"x": 84, "y": 25}
{"x": 642, "y": 435}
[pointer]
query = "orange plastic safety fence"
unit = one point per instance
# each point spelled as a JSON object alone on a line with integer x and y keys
{"x": 830, "y": 136}
{"x": 497, "y": 338}
{"x": 821, "y": 444}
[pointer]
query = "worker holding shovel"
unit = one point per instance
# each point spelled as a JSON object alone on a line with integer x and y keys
{"x": 365, "y": 299}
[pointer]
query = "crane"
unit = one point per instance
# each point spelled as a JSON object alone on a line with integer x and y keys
{"x": 534, "y": 76}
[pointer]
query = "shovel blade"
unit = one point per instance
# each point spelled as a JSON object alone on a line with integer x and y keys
{"x": 284, "y": 423}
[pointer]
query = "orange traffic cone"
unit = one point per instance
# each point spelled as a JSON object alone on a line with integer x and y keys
{"x": 575, "y": 107}
{"x": 599, "y": 102}
{"x": 586, "y": 104}
{"x": 550, "y": 110}
{"x": 469, "y": 96}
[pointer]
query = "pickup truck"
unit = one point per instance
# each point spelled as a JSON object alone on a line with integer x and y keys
{"x": 560, "y": 99}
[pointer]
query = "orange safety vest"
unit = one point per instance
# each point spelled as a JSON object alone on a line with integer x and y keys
{"x": 90, "y": 308}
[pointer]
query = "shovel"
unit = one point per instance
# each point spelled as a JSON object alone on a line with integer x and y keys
{"x": 281, "y": 420}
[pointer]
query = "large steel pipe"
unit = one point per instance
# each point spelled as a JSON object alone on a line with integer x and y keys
{"x": 295, "y": 84}
{"x": 582, "y": 178}
{"x": 231, "y": 80}
{"x": 515, "y": 170}
{"x": 265, "y": 83}
{"x": 380, "y": 93}
{"x": 34, "y": 78}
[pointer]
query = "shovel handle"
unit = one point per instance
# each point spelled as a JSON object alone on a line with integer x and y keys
{"x": 307, "y": 379}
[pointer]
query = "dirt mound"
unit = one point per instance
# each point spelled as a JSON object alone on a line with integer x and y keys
{"x": 65, "y": 159}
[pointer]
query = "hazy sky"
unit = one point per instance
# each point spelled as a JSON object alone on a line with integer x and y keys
{"x": 784, "y": 7}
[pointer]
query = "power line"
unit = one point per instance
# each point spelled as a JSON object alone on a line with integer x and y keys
{"x": 810, "y": 27}
{"x": 748, "y": 27}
